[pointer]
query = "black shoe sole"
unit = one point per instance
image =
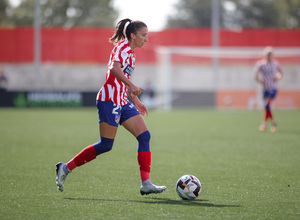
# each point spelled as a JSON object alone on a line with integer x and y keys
{"x": 147, "y": 193}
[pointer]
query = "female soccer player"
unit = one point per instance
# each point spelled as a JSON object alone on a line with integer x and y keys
{"x": 114, "y": 107}
{"x": 268, "y": 72}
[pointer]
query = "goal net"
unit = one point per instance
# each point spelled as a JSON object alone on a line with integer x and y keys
{"x": 221, "y": 77}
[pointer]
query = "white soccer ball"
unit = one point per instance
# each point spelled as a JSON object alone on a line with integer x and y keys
{"x": 188, "y": 187}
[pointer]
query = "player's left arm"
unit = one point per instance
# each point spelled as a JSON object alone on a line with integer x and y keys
{"x": 279, "y": 73}
{"x": 256, "y": 74}
{"x": 138, "y": 104}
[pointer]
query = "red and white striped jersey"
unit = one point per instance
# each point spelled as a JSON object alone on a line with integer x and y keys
{"x": 269, "y": 71}
{"x": 113, "y": 89}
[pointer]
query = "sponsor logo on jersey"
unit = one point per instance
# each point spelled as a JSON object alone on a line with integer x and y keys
{"x": 128, "y": 69}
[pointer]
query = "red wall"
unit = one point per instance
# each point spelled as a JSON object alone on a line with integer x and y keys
{"x": 16, "y": 45}
{"x": 261, "y": 38}
{"x": 90, "y": 45}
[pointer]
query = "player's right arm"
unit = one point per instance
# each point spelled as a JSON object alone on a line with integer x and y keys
{"x": 256, "y": 74}
{"x": 116, "y": 70}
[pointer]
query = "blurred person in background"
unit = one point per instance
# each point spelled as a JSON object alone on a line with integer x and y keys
{"x": 115, "y": 109}
{"x": 267, "y": 72}
{"x": 3, "y": 80}
{"x": 148, "y": 96}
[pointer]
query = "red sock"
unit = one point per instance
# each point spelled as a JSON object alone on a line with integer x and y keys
{"x": 266, "y": 115}
{"x": 270, "y": 115}
{"x": 86, "y": 155}
{"x": 144, "y": 160}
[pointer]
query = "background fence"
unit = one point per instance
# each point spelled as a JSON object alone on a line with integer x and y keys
{"x": 75, "y": 60}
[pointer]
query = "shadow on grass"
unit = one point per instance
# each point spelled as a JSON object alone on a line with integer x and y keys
{"x": 154, "y": 200}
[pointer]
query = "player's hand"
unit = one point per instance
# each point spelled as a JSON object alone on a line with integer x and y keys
{"x": 142, "y": 108}
{"x": 134, "y": 90}
{"x": 277, "y": 77}
{"x": 261, "y": 82}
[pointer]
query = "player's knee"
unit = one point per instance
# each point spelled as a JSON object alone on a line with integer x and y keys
{"x": 144, "y": 141}
{"x": 104, "y": 145}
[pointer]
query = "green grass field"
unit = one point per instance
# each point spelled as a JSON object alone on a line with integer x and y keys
{"x": 245, "y": 174}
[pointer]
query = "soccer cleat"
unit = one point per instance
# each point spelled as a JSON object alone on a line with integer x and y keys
{"x": 274, "y": 127}
{"x": 147, "y": 188}
{"x": 262, "y": 127}
{"x": 61, "y": 175}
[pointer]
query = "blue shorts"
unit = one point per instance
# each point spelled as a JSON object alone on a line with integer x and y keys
{"x": 269, "y": 94}
{"x": 115, "y": 114}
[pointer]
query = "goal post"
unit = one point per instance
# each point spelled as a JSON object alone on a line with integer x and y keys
{"x": 164, "y": 78}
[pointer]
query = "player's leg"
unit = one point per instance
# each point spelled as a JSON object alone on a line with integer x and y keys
{"x": 88, "y": 154}
{"x": 267, "y": 112}
{"x": 107, "y": 136}
{"x": 271, "y": 100}
{"x": 135, "y": 124}
{"x": 108, "y": 128}
{"x": 274, "y": 124}
{"x": 268, "y": 96}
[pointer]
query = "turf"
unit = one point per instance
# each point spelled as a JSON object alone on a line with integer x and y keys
{"x": 244, "y": 174}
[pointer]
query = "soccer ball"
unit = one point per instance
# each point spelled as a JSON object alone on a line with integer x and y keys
{"x": 188, "y": 187}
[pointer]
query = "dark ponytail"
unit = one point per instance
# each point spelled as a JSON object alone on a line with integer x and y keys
{"x": 131, "y": 27}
